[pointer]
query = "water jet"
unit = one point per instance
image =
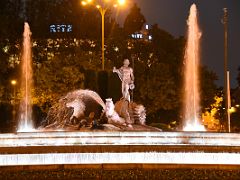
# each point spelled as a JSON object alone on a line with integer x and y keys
{"x": 25, "y": 123}
{"x": 191, "y": 106}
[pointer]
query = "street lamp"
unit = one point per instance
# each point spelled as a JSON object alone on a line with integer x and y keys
{"x": 14, "y": 83}
{"x": 103, "y": 6}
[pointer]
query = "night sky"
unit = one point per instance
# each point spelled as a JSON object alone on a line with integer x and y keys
{"x": 171, "y": 15}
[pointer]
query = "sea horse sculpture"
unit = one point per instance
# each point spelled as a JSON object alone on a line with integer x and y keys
{"x": 72, "y": 108}
{"x": 77, "y": 105}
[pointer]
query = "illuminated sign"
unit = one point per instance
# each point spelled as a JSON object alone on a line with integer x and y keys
{"x": 137, "y": 36}
{"x": 143, "y": 34}
{"x": 56, "y": 28}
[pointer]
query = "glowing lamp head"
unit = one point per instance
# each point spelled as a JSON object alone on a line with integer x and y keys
{"x": 121, "y": 2}
{"x": 13, "y": 82}
{"x": 98, "y": 6}
{"x": 84, "y": 3}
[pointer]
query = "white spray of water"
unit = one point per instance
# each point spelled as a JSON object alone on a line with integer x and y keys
{"x": 191, "y": 81}
{"x": 25, "y": 114}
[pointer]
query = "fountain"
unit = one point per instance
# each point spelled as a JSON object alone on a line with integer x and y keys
{"x": 191, "y": 69}
{"x": 63, "y": 142}
{"x": 78, "y": 109}
{"x": 25, "y": 113}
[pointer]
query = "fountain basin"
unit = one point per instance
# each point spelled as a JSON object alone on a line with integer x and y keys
{"x": 54, "y": 148}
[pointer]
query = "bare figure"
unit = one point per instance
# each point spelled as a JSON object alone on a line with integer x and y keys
{"x": 125, "y": 74}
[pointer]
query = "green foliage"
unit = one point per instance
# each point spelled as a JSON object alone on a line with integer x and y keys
{"x": 52, "y": 81}
{"x": 61, "y": 70}
{"x": 210, "y": 117}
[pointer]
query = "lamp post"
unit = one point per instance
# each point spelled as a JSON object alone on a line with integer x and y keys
{"x": 102, "y": 12}
{"x": 14, "y": 83}
{"x": 103, "y": 7}
{"x": 226, "y": 92}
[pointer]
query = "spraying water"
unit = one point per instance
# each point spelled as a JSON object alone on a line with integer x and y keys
{"x": 191, "y": 81}
{"x": 25, "y": 120}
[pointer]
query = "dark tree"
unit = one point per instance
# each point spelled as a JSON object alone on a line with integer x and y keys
{"x": 134, "y": 21}
{"x": 11, "y": 22}
{"x": 168, "y": 49}
{"x": 208, "y": 87}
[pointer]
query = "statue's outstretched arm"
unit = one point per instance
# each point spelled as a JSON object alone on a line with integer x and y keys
{"x": 119, "y": 73}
